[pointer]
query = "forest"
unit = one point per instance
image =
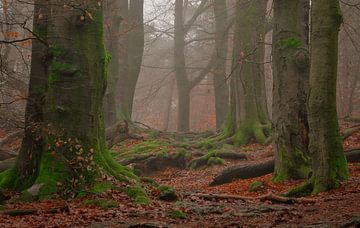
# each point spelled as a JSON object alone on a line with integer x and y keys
{"x": 179, "y": 113}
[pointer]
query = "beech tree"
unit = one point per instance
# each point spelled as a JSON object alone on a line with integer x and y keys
{"x": 64, "y": 145}
{"x": 329, "y": 162}
{"x": 248, "y": 117}
{"x": 291, "y": 82}
{"x": 125, "y": 42}
{"x": 221, "y": 87}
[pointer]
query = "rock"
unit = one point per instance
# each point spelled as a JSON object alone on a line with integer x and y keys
{"x": 167, "y": 193}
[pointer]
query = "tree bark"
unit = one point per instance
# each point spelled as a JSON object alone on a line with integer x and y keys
{"x": 329, "y": 163}
{"x": 69, "y": 153}
{"x": 250, "y": 115}
{"x": 291, "y": 82}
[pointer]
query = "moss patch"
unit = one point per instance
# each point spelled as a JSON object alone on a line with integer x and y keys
{"x": 176, "y": 214}
{"x": 138, "y": 194}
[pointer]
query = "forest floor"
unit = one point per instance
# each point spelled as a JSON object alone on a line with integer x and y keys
{"x": 195, "y": 206}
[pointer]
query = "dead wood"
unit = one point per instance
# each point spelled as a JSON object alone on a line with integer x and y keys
{"x": 260, "y": 169}
{"x": 267, "y": 197}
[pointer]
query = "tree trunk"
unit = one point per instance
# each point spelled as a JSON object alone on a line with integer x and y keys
{"x": 72, "y": 135}
{"x": 113, "y": 20}
{"x": 252, "y": 121}
{"x": 291, "y": 81}
{"x": 183, "y": 86}
{"x": 136, "y": 49}
{"x": 221, "y": 46}
{"x": 329, "y": 163}
{"x": 27, "y": 163}
{"x": 121, "y": 84}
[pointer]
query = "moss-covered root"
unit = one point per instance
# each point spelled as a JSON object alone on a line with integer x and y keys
{"x": 253, "y": 130}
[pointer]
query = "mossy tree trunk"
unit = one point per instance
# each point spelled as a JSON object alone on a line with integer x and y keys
{"x": 291, "y": 82}
{"x": 71, "y": 136}
{"x": 329, "y": 162}
{"x": 221, "y": 87}
{"x": 251, "y": 117}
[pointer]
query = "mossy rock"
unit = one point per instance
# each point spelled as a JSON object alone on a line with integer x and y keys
{"x": 138, "y": 194}
{"x": 103, "y": 203}
{"x": 256, "y": 186}
{"x": 176, "y": 214}
{"x": 167, "y": 193}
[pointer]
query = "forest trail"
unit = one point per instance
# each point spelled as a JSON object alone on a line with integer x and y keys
{"x": 197, "y": 204}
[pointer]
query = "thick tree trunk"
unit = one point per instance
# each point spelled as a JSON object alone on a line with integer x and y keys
{"x": 291, "y": 79}
{"x": 252, "y": 120}
{"x": 72, "y": 135}
{"x": 221, "y": 46}
{"x": 329, "y": 163}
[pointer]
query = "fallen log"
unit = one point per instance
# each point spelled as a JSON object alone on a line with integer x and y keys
{"x": 256, "y": 170}
{"x": 267, "y": 197}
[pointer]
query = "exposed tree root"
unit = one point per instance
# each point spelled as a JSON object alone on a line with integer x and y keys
{"x": 11, "y": 137}
{"x": 256, "y": 170}
{"x": 35, "y": 211}
{"x": 349, "y": 132}
{"x": 267, "y": 197}
{"x": 6, "y": 154}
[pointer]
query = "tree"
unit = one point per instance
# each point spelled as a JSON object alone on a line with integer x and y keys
{"x": 329, "y": 162}
{"x": 125, "y": 43}
{"x": 183, "y": 82}
{"x": 291, "y": 82}
{"x": 248, "y": 116}
{"x": 221, "y": 45}
{"x": 64, "y": 145}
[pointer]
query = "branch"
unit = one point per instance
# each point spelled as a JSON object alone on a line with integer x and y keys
{"x": 204, "y": 72}
{"x": 202, "y": 7}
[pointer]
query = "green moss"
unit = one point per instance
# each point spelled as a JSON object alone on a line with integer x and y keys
{"x": 255, "y": 186}
{"x": 290, "y": 43}
{"x": 103, "y": 203}
{"x": 138, "y": 194}
{"x": 249, "y": 130}
{"x": 150, "y": 181}
{"x": 101, "y": 187}
{"x": 305, "y": 189}
{"x": 207, "y": 144}
{"x": 176, "y": 214}
{"x": 215, "y": 161}
{"x": 146, "y": 147}
{"x": 298, "y": 166}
